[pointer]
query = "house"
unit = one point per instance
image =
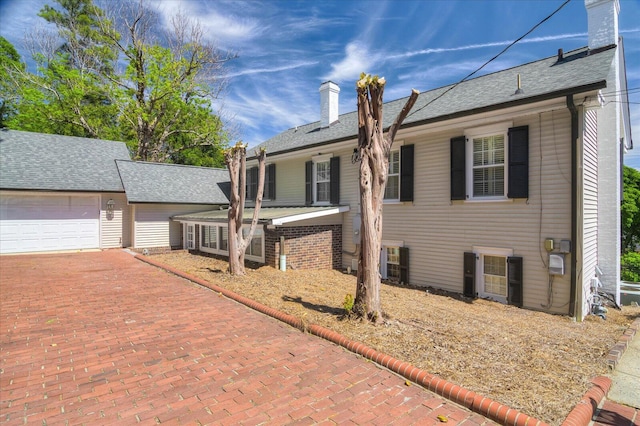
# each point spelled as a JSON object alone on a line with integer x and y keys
{"x": 68, "y": 193}
{"x": 506, "y": 186}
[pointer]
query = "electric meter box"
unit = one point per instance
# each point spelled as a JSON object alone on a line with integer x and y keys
{"x": 356, "y": 229}
{"x": 556, "y": 264}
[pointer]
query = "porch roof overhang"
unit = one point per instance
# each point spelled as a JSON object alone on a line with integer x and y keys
{"x": 267, "y": 215}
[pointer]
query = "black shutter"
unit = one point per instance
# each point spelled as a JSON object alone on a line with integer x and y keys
{"x": 518, "y": 162}
{"x": 515, "y": 275}
{"x": 308, "y": 182}
{"x": 252, "y": 183}
{"x": 469, "y": 286}
{"x": 458, "y": 173}
{"x": 406, "y": 173}
{"x": 270, "y": 182}
{"x": 404, "y": 265}
{"x": 334, "y": 169}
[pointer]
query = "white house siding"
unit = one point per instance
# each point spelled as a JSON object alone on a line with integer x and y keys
{"x": 438, "y": 231}
{"x": 114, "y": 228}
{"x": 589, "y": 207}
{"x": 153, "y": 226}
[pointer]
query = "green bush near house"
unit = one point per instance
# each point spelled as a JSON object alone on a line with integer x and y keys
{"x": 630, "y": 267}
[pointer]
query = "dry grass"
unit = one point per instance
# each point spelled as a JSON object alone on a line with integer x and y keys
{"x": 534, "y": 362}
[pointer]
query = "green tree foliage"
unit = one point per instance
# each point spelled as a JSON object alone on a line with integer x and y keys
{"x": 630, "y": 267}
{"x": 630, "y": 210}
{"x": 9, "y": 61}
{"x": 109, "y": 78}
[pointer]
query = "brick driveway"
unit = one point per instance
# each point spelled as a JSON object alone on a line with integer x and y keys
{"x": 102, "y": 338}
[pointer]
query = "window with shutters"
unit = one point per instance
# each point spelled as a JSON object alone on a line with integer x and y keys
{"x": 394, "y": 261}
{"x": 490, "y": 163}
{"x": 269, "y": 192}
{"x": 497, "y": 274}
{"x": 322, "y": 180}
{"x": 400, "y": 175}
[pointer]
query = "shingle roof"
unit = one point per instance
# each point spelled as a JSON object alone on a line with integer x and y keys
{"x": 37, "y": 161}
{"x": 172, "y": 183}
{"x": 544, "y": 79}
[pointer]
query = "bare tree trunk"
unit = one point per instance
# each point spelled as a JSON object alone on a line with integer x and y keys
{"x": 235, "y": 158}
{"x": 374, "y": 150}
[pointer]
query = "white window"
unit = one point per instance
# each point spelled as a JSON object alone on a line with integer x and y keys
{"x": 393, "y": 263}
{"x": 255, "y": 247}
{"x": 215, "y": 239}
{"x": 392, "y": 191}
{"x": 390, "y": 259}
{"x": 492, "y": 273}
{"x": 487, "y": 162}
{"x": 322, "y": 181}
{"x": 209, "y": 238}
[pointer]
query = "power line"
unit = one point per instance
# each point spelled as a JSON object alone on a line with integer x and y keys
{"x": 492, "y": 59}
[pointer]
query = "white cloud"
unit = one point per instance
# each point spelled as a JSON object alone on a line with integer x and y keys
{"x": 266, "y": 70}
{"x": 485, "y": 45}
{"x": 358, "y": 58}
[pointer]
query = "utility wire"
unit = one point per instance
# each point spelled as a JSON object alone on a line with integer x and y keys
{"x": 492, "y": 59}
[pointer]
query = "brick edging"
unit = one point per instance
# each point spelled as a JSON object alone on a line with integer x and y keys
{"x": 616, "y": 352}
{"x": 583, "y": 412}
{"x": 475, "y": 402}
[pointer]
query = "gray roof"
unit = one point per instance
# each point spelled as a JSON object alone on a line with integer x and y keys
{"x": 37, "y": 161}
{"x": 548, "y": 78}
{"x": 266, "y": 214}
{"x": 173, "y": 184}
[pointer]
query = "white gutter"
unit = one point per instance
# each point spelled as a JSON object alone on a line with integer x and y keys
{"x": 311, "y": 215}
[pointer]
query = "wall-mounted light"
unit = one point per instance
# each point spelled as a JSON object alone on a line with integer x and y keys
{"x": 355, "y": 157}
{"x": 111, "y": 205}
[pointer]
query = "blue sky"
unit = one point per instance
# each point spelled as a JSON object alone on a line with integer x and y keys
{"x": 288, "y": 48}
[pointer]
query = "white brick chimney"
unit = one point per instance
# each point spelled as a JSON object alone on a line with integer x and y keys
{"x": 328, "y": 103}
{"x": 603, "y": 22}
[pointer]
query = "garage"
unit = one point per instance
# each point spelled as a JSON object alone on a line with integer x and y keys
{"x": 51, "y": 222}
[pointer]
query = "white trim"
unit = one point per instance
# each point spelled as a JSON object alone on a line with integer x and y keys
{"x": 311, "y": 215}
{"x": 493, "y": 251}
{"x": 392, "y": 243}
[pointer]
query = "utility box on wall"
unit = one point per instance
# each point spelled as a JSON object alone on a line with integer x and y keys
{"x": 356, "y": 228}
{"x": 556, "y": 264}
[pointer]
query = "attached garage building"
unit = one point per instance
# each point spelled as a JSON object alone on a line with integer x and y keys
{"x": 60, "y": 193}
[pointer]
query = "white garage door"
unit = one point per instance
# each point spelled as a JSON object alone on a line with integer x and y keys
{"x": 31, "y": 223}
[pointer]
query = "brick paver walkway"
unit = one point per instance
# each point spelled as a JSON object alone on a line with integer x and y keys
{"x": 102, "y": 338}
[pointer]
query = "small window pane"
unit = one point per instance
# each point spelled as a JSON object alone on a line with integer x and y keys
{"x": 392, "y": 190}
{"x": 495, "y": 275}
{"x": 488, "y": 166}
{"x": 323, "y": 181}
{"x": 323, "y": 191}
{"x": 224, "y": 239}
{"x": 393, "y": 263}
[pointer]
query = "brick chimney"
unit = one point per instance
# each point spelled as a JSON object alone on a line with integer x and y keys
{"x": 603, "y": 22}
{"x": 328, "y": 103}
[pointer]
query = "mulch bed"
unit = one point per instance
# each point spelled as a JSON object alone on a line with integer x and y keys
{"x": 537, "y": 363}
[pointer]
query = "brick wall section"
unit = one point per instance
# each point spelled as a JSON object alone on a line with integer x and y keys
{"x": 307, "y": 247}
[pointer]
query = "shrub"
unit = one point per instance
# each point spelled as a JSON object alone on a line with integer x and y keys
{"x": 630, "y": 267}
